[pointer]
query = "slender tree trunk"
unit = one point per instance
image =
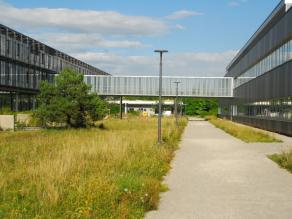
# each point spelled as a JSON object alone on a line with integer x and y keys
{"x": 69, "y": 125}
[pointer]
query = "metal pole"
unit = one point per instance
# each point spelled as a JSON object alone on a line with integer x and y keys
{"x": 121, "y": 107}
{"x": 181, "y": 107}
{"x": 160, "y": 100}
{"x": 16, "y": 102}
{"x": 160, "y": 95}
{"x": 176, "y": 120}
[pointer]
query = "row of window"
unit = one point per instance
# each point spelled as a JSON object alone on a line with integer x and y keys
{"x": 24, "y": 102}
{"x": 276, "y": 109}
{"x": 29, "y": 54}
{"x": 23, "y": 77}
{"x": 275, "y": 59}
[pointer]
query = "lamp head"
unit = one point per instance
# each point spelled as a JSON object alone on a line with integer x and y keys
{"x": 161, "y": 50}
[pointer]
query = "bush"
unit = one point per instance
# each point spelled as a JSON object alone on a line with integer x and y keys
{"x": 114, "y": 108}
{"x": 200, "y": 107}
{"x": 134, "y": 113}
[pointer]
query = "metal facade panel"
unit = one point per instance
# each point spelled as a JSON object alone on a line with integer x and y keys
{"x": 148, "y": 86}
{"x": 277, "y": 35}
{"x": 272, "y": 85}
{"x": 24, "y": 62}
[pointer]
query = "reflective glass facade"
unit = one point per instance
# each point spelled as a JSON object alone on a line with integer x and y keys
{"x": 24, "y": 62}
{"x": 273, "y": 60}
{"x": 275, "y": 109}
{"x": 262, "y": 73}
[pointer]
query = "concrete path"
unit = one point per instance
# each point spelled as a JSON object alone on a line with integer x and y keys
{"x": 217, "y": 176}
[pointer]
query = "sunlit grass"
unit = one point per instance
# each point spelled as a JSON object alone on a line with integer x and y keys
{"x": 114, "y": 172}
{"x": 244, "y": 133}
{"x": 284, "y": 160}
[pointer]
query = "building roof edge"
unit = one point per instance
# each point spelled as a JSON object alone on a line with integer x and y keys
{"x": 287, "y": 3}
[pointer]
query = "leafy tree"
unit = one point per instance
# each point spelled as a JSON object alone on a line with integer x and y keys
{"x": 114, "y": 108}
{"x": 200, "y": 106}
{"x": 69, "y": 102}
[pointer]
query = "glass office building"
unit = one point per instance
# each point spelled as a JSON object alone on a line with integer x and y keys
{"x": 262, "y": 73}
{"x": 24, "y": 62}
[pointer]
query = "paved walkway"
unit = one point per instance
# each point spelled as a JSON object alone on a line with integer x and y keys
{"x": 217, "y": 176}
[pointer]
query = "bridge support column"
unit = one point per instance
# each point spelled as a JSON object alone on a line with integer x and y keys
{"x": 121, "y": 107}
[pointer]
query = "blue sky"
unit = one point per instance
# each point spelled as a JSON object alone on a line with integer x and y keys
{"x": 118, "y": 36}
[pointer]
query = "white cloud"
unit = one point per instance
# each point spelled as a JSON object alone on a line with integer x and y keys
{"x": 183, "y": 14}
{"x": 88, "y": 21}
{"x": 179, "y": 27}
{"x": 178, "y": 64}
{"x": 77, "y": 42}
{"x": 236, "y": 3}
{"x": 233, "y": 4}
{"x": 80, "y": 32}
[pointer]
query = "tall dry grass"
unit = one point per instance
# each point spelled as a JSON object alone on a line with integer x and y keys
{"x": 111, "y": 173}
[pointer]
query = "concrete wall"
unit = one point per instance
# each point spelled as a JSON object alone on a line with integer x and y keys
{"x": 7, "y": 122}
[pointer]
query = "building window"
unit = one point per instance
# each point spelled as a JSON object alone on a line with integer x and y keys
{"x": 278, "y": 57}
{"x": 49, "y": 61}
{"x": 280, "y": 109}
{"x": 8, "y": 47}
{"x": 43, "y": 59}
{"x": 18, "y": 50}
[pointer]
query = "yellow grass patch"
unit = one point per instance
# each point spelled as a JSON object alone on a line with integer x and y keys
{"x": 114, "y": 172}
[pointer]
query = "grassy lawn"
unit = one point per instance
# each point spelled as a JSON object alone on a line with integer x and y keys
{"x": 114, "y": 172}
{"x": 244, "y": 133}
{"x": 284, "y": 160}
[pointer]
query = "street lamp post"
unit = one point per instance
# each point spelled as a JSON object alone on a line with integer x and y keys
{"x": 121, "y": 107}
{"x": 176, "y": 99}
{"x": 160, "y": 94}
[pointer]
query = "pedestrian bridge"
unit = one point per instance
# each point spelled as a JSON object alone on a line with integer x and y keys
{"x": 210, "y": 87}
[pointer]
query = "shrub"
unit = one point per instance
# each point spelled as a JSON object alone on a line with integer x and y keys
{"x": 200, "y": 107}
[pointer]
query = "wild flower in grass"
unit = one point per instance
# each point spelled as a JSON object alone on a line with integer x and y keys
{"x": 142, "y": 199}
